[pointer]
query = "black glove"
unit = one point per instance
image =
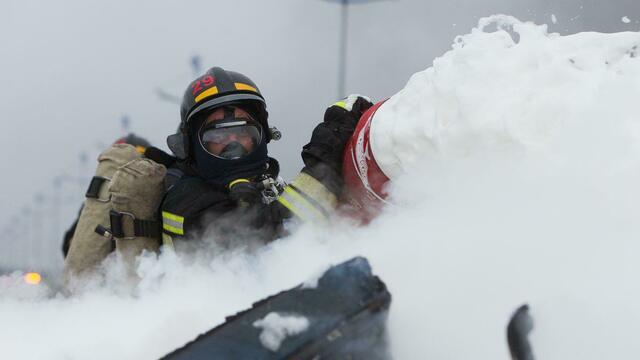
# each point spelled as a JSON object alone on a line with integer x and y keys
{"x": 245, "y": 193}
{"x": 323, "y": 155}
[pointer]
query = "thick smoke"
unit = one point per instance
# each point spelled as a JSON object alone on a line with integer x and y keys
{"x": 516, "y": 177}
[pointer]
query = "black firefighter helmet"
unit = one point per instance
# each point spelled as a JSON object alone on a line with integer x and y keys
{"x": 219, "y": 88}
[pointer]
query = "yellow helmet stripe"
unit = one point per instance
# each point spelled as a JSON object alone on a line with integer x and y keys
{"x": 241, "y": 86}
{"x": 210, "y": 91}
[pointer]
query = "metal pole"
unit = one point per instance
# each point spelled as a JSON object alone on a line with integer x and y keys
{"x": 55, "y": 207}
{"x": 344, "y": 42}
{"x": 16, "y": 241}
{"x": 10, "y": 242}
{"x": 342, "y": 66}
{"x": 26, "y": 237}
{"x": 39, "y": 242}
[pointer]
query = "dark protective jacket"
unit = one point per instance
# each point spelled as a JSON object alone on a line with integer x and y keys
{"x": 194, "y": 208}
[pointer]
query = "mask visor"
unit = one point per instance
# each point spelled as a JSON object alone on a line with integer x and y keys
{"x": 230, "y": 139}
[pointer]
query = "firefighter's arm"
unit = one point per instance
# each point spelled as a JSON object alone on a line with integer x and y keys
{"x": 314, "y": 193}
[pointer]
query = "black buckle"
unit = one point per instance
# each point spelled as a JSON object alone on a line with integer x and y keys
{"x": 143, "y": 228}
{"x": 93, "y": 192}
{"x": 117, "y": 227}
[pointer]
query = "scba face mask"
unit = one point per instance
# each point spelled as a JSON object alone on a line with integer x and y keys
{"x": 230, "y": 138}
{"x": 229, "y": 148}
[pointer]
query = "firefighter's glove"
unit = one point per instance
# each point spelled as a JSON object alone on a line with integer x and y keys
{"x": 245, "y": 193}
{"x": 323, "y": 155}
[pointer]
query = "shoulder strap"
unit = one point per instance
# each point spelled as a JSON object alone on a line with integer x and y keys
{"x": 160, "y": 156}
{"x": 127, "y": 226}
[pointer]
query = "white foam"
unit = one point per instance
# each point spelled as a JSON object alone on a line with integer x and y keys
{"x": 277, "y": 327}
{"x": 500, "y": 88}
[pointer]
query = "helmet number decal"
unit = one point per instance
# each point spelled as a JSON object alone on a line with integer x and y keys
{"x": 207, "y": 81}
{"x": 202, "y": 84}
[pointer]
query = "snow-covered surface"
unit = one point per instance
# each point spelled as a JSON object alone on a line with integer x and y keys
{"x": 516, "y": 167}
{"x": 277, "y": 327}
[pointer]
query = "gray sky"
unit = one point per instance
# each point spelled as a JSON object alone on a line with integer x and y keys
{"x": 71, "y": 69}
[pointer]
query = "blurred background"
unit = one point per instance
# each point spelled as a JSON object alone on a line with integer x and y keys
{"x": 76, "y": 75}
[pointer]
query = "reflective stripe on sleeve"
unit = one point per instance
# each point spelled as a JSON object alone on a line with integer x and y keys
{"x": 300, "y": 206}
{"x": 308, "y": 199}
{"x": 173, "y": 223}
{"x": 314, "y": 189}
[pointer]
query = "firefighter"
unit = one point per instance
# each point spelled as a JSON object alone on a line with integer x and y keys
{"x": 219, "y": 182}
{"x": 225, "y": 180}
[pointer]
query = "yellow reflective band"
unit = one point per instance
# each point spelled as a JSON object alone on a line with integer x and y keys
{"x": 315, "y": 190}
{"x": 237, "y": 181}
{"x": 300, "y": 206}
{"x": 291, "y": 208}
{"x": 210, "y": 91}
{"x": 241, "y": 86}
{"x": 173, "y": 223}
{"x": 341, "y": 104}
{"x": 170, "y": 216}
{"x": 304, "y": 202}
{"x": 172, "y": 229}
{"x": 141, "y": 149}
